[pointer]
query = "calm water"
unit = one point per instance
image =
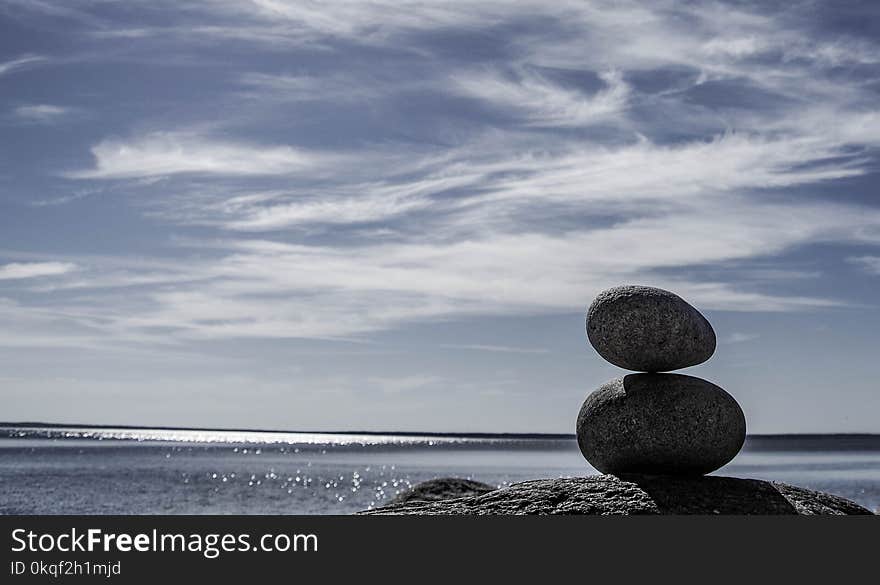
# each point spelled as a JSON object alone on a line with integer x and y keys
{"x": 78, "y": 471}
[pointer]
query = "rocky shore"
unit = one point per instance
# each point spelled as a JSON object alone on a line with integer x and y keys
{"x": 632, "y": 495}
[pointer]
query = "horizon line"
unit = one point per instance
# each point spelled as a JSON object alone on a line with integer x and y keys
{"x": 474, "y": 434}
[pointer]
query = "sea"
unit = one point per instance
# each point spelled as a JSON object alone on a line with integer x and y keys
{"x": 70, "y": 470}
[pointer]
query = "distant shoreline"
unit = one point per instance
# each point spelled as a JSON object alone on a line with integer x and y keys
{"x": 470, "y": 435}
{"x": 41, "y": 425}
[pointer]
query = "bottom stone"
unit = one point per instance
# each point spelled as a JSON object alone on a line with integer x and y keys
{"x": 608, "y": 494}
{"x": 660, "y": 424}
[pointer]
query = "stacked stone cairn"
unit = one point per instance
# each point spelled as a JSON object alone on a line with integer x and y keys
{"x": 653, "y": 433}
{"x": 653, "y": 422}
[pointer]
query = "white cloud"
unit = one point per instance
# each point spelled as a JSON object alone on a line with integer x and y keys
{"x": 372, "y": 18}
{"x": 23, "y": 62}
{"x": 501, "y": 177}
{"x": 734, "y": 47}
{"x": 40, "y": 113}
{"x": 269, "y": 289}
{"x": 713, "y": 36}
{"x": 543, "y": 102}
{"x": 343, "y": 211}
{"x": 21, "y": 270}
{"x": 168, "y": 153}
{"x": 643, "y": 171}
{"x": 687, "y": 205}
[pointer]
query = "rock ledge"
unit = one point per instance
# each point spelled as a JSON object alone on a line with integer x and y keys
{"x": 612, "y": 495}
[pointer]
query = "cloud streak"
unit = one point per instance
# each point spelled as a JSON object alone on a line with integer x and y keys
{"x": 22, "y": 270}
{"x": 23, "y": 62}
{"x": 545, "y": 103}
{"x": 168, "y": 153}
{"x": 41, "y": 113}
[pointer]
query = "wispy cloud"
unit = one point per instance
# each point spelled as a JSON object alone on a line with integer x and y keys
{"x": 169, "y": 153}
{"x": 23, "y": 62}
{"x": 41, "y": 113}
{"x": 502, "y": 179}
{"x": 20, "y": 270}
{"x": 496, "y": 348}
{"x": 545, "y": 103}
{"x": 259, "y": 288}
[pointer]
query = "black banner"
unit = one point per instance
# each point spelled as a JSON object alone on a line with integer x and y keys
{"x": 134, "y": 549}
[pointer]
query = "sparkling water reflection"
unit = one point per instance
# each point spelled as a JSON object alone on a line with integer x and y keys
{"x": 68, "y": 471}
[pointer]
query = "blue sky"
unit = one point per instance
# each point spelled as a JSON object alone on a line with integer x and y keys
{"x": 391, "y": 215}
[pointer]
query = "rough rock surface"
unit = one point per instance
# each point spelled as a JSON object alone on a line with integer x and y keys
{"x": 660, "y": 424}
{"x": 442, "y": 488}
{"x": 648, "y": 329}
{"x": 608, "y": 495}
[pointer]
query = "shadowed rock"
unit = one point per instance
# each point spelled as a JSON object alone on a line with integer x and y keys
{"x": 442, "y": 488}
{"x": 660, "y": 424}
{"x": 648, "y": 329}
{"x": 611, "y": 495}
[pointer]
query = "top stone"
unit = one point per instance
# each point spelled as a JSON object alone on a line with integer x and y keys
{"x": 648, "y": 329}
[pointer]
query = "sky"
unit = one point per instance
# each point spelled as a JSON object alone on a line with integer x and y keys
{"x": 391, "y": 215}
